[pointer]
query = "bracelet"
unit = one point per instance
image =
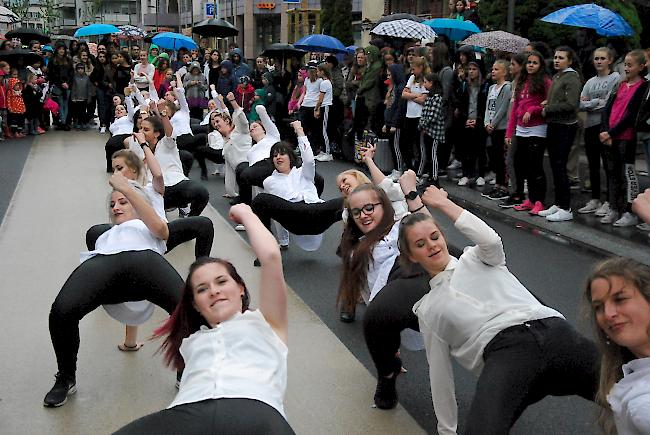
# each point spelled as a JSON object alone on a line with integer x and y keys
{"x": 232, "y": 100}
{"x": 417, "y": 209}
{"x": 144, "y": 144}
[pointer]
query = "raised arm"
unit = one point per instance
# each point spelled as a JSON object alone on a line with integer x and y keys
{"x": 180, "y": 94}
{"x": 375, "y": 173}
{"x": 138, "y": 96}
{"x": 269, "y": 126}
{"x": 306, "y": 153}
{"x": 273, "y": 290}
{"x": 150, "y": 159}
{"x": 145, "y": 211}
{"x": 130, "y": 109}
{"x": 167, "y": 125}
{"x": 408, "y": 183}
{"x": 238, "y": 115}
{"x": 153, "y": 92}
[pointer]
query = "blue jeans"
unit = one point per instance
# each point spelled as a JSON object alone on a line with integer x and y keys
{"x": 63, "y": 101}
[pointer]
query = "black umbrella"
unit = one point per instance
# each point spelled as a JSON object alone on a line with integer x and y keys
{"x": 149, "y": 36}
{"x": 215, "y": 27}
{"x": 27, "y": 34}
{"x": 12, "y": 56}
{"x": 281, "y": 51}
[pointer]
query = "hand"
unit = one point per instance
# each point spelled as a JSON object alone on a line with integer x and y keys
{"x": 219, "y": 97}
{"x": 139, "y": 137}
{"x": 132, "y": 74}
{"x": 393, "y": 129}
{"x": 434, "y": 197}
{"x": 384, "y": 129}
{"x": 641, "y": 205}
{"x": 368, "y": 152}
{"x": 230, "y": 96}
{"x": 408, "y": 181}
{"x": 584, "y": 98}
{"x": 544, "y": 103}
{"x": 489, "y": 128}
{"x": 153, "y": 107}
{"x": 213, "y": 87}
{"x": 297, "y": 127}
{"x": 526, "y": 118}
{"x": 64, "y": 85}
{"x": 316, "y": 113}
{"x": 508, "y": 141}
{"x": 604, "y": 137}
{"x": 238, "y": 212}
{"x": 119, "y": 182}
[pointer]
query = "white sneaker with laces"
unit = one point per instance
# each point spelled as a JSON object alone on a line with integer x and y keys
{"x": 324, "y": 157}
{"x": 549, "y": 211}
{"x": 603, "y": 210}
{"x": 240, "y": 227}
{"x": 490, "y": 176}
{"x": 560, "y": 216}
{"x": 455, "y": 164}
{"x": 480, "y": 181}
{"x": 183, "y": 212}
{"x": 643, "y": 226}
{"x": 463, "y": 181}
{"x": 102, "y": 130}
{"x": 610, "y": 217}
{"x": 627, "y": 220}
{"x": 591, "y": 207}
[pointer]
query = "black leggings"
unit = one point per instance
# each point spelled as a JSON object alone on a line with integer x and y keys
{"x": 529, "y": 165}
{"x": 560, "y": 139}
{"x": 298, "y": 217}
{"x": 524, "y": 364}
{"x": 595, "y": 152}
{"x": 472, "y": 143}
{"x": 205, "y": 152}
{"x": 108, "y": 279}
{"x": 113, "y": 144}
{"x": 180, "y": 231}
{"x": 410, "y": 138}
{"x": 387, "y": 315}
{"x": 187, "y": 192}
{"x": 623, "y": 184}
{"x": 212, "y": 417}
{"x": 254, "y": 175}
{"x": 497, "y": 154}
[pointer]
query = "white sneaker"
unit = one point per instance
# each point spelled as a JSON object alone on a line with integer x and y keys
{"x": 394, "y": 175}
{"x": 240, "y": 227}
{"x": 549, "y": 211}
{"x": 493, "y": 182}
{"x": 591, "y": 206}
{"x": 183, "y": 212}
{"x": 560, "y": 215}
{"x": 463, "y": 181}
{"x": 490, "y": 176}
{"x": 643, "y": 226}
{"x": 455, "y": 164}
{"x": 603, "y": 210}
{"x": 480, "y": 181}
{"x": 102, "y": 130}
{"x": 627, "y": 220}
{"x": 324, "y": 157}
{"x": 610, "y": 217}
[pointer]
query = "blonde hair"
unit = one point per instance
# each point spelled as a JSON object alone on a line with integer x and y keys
{"x": 137, "y": 187}
{"x": 358, "y": 175}
{"x": 134, "y": 162}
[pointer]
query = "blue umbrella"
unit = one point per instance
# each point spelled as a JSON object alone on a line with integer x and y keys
{"x": 604, "y": 21}
{"x": 173, "y": 41}
{"x": 455, "y": 30}
{"x": 320, "y": 44}
{"x": 351, "y": 49}
{"x": 96, "y": 29}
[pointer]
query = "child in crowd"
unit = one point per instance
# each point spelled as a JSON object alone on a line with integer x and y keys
{"x": 258, "y": 100}
{"x": 298, "y": 93}
{"x": 269, "y": 94}
{"x": 4, "y": 67}
{"x": 244, "y": 94}
{"x": 432, "y": 121}
{"x": 15, "y": 107}
{"x": 33, "y": 105}
{"x": 80, "y": 97}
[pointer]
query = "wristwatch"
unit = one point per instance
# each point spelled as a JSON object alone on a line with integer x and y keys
{"x": 411, "y": 195}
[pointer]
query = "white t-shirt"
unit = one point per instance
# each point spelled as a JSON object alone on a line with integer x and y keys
{"x": 312, "y": 91}
{"x": 326, "y": 87}
{"x": 491, "y": 106}
{"x": 413, "y": 109}
{"x": 215, "y": 140}
{"x": 170, "y": 161}
{"x": 630, "y": 398}
{"x": 131, "y": 235}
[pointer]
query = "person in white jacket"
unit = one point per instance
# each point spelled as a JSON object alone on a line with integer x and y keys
{"x": 478, "y": 312}
{"x": 618, "y": 294}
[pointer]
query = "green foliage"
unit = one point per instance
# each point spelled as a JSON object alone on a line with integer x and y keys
{"x": 336, "y": 20}
{"x": 20, "y": 8}
{"x": 50, "y": 12}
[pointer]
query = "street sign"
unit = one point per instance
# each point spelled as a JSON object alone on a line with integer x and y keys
{"x": 210, "y": 10}
{"x": 291, "y": 1}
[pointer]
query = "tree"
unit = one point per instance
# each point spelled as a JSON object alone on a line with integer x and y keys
{"x": 327, "y": 16}
{"x": 342, "y": 23}
{"x": 20, "y": 8}
{"x": 50, "y": 13}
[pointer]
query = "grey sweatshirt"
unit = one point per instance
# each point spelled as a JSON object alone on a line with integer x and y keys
{"x": 498, "y": 108}
{"x": 597, "y": 89}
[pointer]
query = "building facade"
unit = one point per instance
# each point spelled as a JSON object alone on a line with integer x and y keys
{"x": 78, "y": 13}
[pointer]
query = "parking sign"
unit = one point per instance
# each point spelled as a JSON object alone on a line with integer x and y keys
{"x": 209, "y": 10}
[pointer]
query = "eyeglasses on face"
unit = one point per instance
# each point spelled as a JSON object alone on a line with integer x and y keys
{"x": 367, "y": 209}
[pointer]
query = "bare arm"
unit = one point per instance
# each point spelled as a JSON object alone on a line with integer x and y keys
{"x": 375, "y": 173}
{"x": 167, "y": 125}
{"x": 273, "y": 291}
{"x": 408, "y": 183}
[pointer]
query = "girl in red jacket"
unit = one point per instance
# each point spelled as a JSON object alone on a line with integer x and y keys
{"x": 528, "y": 125}
{"x": 4, "y": 66}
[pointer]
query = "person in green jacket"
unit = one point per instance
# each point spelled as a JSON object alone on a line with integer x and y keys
{"x": 154, "y": 51}
{"x": 368, "y": 98}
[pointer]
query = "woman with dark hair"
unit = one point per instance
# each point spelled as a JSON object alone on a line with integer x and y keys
{"x": 440, "y": 65}
{"x": 561, "y": 113}
{"x": 60, "y": 74}
{"x": 479, "y": 313}
{"x": 101, "y": 77}
{"x": 618, "y": 296}
{"x": 212, "y": 68}
{"x": 122, "y": 71}
{"x": 214, "y": 324}
{"x": 121, "y": 128}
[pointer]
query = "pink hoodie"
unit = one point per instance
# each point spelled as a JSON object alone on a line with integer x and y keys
{"x": 524, "y": 102}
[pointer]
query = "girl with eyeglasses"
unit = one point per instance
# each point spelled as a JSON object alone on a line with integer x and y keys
{"x": 478, "y": 312}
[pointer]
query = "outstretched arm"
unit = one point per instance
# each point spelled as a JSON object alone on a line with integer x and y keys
{"x": 375, "y": 173}
{"x": 269, "y": 126}
{"x": 273, "y": 291}
{"x": 306, "y": 153}
{"x": 408, "y": 183}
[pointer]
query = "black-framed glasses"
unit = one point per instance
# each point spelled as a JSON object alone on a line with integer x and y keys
{"x": 366, "y": 209}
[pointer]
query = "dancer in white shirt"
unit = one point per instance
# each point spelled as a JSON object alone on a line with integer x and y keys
{"x": 234, "y": 358}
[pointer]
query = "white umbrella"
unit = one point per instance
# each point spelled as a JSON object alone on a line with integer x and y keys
{"x": 406, "y": 29}
{"x": 6, "y": 16}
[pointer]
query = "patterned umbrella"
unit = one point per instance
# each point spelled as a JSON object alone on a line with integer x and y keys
{"x": 498, "y": 40}
{"x": 405, "y": 29}
{"x": 129, "y": 31}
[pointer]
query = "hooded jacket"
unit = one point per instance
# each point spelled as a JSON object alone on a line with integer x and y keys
{"x": 253, "y": 116}
{"x": 369, "y": 87}
{"x": 396, "y": 112}
{"x": 152, "y": 57}
{"x": 227, "y": 82}
{"x": 564, "y": 98}
{"x": 241, "y": 68}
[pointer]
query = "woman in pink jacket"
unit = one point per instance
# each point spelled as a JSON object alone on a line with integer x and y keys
{"x": 528, "y": 125}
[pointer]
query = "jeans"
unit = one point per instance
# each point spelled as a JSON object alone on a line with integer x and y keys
{"x": 525, "y": 363}
{"x": 560, "y": 140}
{"x": 180, "y": 231}
{"x": 108, "y": 279}
{"x": 63, "y": 100}
{"x": 187, "y": 192}
{"x": 103, "y": 107}
{"x": 212, "y": 417}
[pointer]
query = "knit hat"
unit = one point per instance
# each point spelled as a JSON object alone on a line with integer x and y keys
{"x": 244, "y": 80}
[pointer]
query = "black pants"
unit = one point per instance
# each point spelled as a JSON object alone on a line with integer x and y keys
{"x": 78, "y": 112}
{"x": 473, "y": 153}
{"x": 187, "y": 192}
{"x": 623, "y": 184}
{"x": 113, "y": 144}
{"x": 524, "y": 364}
{"x": 497, "y": 154}
{"x": 560, "y": 139}
{"x": 254, "y": 175}
{"x": 298, "y": 217}
{"x": 187, "y": 160}
{"x": 212, "y": 417}
{"x": 108, "y": 279}
{"x": 313, "y": 127}
{"x": 387, "y": 315}
{"x": 196, "y": 112}
{"x": 529, "y": 165}
{"x": 410, "y": 138}
{"x": 444, "y": 149}
{"x": 595, "y": 152}
{"x": 205, "y": 152}
{"x": 187, "y": 142}
{"x": 180, "y": 231}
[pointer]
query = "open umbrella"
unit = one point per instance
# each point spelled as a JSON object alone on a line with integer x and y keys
{"x": 149, "y": 36}
{"x": 281, "y": 51}
{"x": 405, "y": 29}
{"x": 591, "y": 16}
{"x": 7, "y": 16}
{"x": 63, "y": 38}
{"x": 498, "y": 40}
{"x": 320, "y": 44}
{"x": 215, "y": 27}
{"x": 96, "y": 29}
{"x": 400, "y": 16}
{"x": 131, "y": 32}
{"x": 12, "y": 56}
{"x": 27, "y": 34}
{"x": 455, "y": 30}
{"x": 351, "y": 49}
{"x": 173, "y": 41}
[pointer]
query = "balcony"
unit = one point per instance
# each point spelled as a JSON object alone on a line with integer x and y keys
{"x": 68, "y": 22}
{"x": 164, "y": 20}
{"x": 116, "y": 18}
{"x": 67, "y": 3}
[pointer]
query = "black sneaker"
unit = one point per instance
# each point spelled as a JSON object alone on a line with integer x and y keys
{"x": 511, "y": 201}
{"x": 63, "y": 387}
{"x": 386, "y": 392}
{"x": 498, "y": 194}
{"x": 490, "y": 193}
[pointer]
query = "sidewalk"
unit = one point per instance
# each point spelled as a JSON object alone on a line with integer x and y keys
{"x": 584, "y": 231}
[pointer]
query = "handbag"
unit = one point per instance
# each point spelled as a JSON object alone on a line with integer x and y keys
{"x": 383, "y": 156}
{"x": 51, "y": 105}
